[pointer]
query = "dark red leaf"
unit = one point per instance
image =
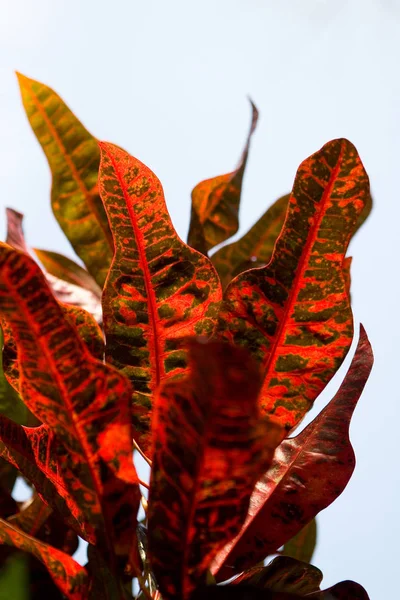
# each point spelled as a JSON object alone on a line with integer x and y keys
{"x": 308, "y": 472}
{"x": 209, "y": 448}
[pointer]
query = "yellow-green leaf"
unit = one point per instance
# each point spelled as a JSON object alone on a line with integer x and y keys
{"x": 73, "y": 157}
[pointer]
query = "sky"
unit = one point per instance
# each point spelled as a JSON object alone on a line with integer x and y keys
{"x": 169, "y": 81}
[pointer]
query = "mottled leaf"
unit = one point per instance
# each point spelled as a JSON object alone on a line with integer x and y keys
{"x": 294, "y": 314}
{"x": 307, "y": 474}
{"x": 67, "y": 574}
{"x": 87, "y": 327}
{"x": 73, "y": 156}
{"x": 66, "y": 269}
{"x": 209, "y": 447}
{"x": 82, "y": 401}
{"x": 255, "y": 248}
{"x": 283, "y": 574}
{"x": 215, "y": 203}
{"x": 158, "y": 290}
{"x": 302, "y": 545}
{"x": 346, "y": 590}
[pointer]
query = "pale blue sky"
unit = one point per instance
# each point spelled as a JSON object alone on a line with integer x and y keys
{"x": 168, "y": 80}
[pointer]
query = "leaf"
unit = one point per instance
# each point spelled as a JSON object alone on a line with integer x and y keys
{"x": 215, "y": 203}
{"x": 87, "y": 327}
{"x": 302, "y": 545}
{"x": 294, "y": 314}
{"x": 37, "y": 519}
{"x": 14, "y": 579}
{"x": 11, "y": 404}
{"x": 158, "y": 291}
{"x": 345, "y": 590}
{"x": 66, "y": 269}
{"x": 307, "y": 474}
{"x": 283, "y": 574}
{"x": 255, "y": 248}
{"x": 64, "y": 291}
{"x": 73, "y": 156}
{"x": 80, "y": 400}
{"x": 67, "y": 574}
{"x": 209, "y": 448}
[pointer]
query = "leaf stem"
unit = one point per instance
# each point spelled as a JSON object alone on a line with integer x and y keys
{"x": 142, "y": 454}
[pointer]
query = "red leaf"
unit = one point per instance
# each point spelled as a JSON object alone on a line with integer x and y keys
{"x": 66, "y": 573}
{"x": 308, "y": 472}
{"x": 158, "y": 290}
{"x": 294, "y": 314}
{"x": 82, "y": 401}
{"x": 209, "y": 449}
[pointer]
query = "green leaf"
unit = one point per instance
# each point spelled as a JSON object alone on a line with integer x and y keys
{"x": 255, "y": 248}
{"x": 215, "y": 203}
{"x": 11, "y": 403}
{"x": 302, "y": 545}
{"x": 14, "y": 580}
{"x": 73, "y": 156}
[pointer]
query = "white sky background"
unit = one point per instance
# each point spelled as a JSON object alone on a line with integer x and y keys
{"x": 168, "y": 80}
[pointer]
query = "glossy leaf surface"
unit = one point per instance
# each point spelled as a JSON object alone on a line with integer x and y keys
{"x": 73, "y": 156}
{"x": 66, "y": 269}
{"x": 158, "y": 291}
{"x": 255, "y": 248}
{"x": 302, "y": 545}
{"x": 209, "y": 447}
{"x": 294, "y": 314}
{"x": 67, "y": 574}
{"x": 308, "y": 472}
{"x": 82, "y": 401}
{"x": 215, "y": 203}
{"x": 283, "y": 574}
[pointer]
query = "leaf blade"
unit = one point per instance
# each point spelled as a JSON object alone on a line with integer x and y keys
{"x": 302, "y": 545}
{"x": 294, "y": 314}
{"x": 158, "y": 290}
{"x": 73, "y": 157}
{"x": 280, "y": 504}
{"x": 215, "y": 203}
{"x": 66, "y": 573}
{"x": 255, "y": 246}
{"x": 209, "y": 447}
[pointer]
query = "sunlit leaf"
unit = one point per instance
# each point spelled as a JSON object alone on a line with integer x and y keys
{"x": 66, "y": 269}
{"x": 307, "y": 474}
{"x": 283, "y": 574}
{"x": 67, "y": 574}
{"x": 80, "y": 400}
{"x": 255, "y": 248}
{"x": 215, "y": 203}
{"x": 73, "y": 156}
{"x": 294, "y": 314}
{"x": 302, "y": 545}
{"x": 209, "y": 448}
{"x": 158, "y": 291}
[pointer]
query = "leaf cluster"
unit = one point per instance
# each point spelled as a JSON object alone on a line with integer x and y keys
{"x": 201, "y": 358}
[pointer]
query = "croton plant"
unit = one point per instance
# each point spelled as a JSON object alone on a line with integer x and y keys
{"x": 204, "y": 363}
